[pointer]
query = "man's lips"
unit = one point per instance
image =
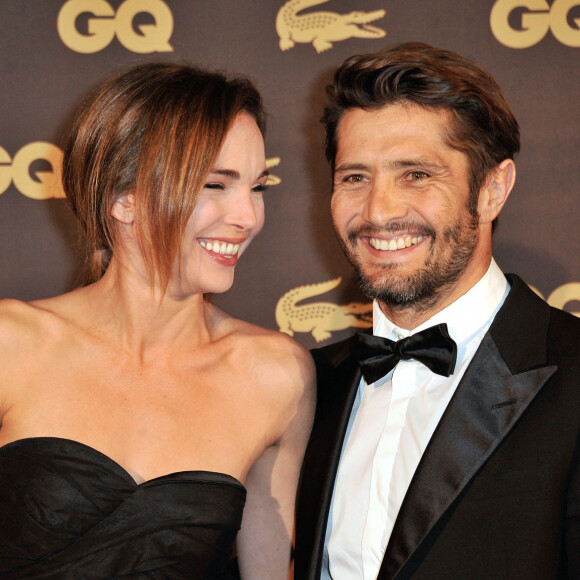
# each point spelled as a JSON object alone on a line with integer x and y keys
{"x": 396, "y": 243}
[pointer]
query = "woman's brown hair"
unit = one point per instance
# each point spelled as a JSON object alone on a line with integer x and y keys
{"x": 154, "y": 131}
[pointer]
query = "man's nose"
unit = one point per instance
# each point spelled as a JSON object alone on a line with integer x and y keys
{"x": 384, "y": 203}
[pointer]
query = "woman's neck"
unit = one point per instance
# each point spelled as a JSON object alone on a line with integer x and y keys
{"x": 138, "y": 316}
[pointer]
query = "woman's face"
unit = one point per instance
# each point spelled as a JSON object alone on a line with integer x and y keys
{"x": 228, "y": 215}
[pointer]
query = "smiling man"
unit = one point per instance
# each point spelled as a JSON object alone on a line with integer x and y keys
{"x": 446, "y": 443}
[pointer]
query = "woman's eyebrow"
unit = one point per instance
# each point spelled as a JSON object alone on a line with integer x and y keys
{"x": 233, "y": 174}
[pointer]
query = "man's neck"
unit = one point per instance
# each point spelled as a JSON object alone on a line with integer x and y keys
{"x": 411, "y": 316}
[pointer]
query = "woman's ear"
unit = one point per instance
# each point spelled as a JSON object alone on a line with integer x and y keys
{"x": 123, "y": 209}
{"x": 495, "y": 192}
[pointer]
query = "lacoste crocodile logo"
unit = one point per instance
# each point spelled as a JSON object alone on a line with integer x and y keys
{"x": 323, "y": 28}
{"x": 319, "y": 318}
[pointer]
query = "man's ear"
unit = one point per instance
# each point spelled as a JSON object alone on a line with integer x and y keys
{"x": 495, "y": 192}
{"x": 123, "y": 209}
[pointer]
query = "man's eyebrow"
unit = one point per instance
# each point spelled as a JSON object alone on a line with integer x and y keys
{"x": 395, "y": 164}
{"x": 415, "y": 162}
{"x": 351, "y": 167}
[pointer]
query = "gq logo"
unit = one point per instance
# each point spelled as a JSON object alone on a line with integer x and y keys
{"x": 35, "y": 170}
{"x": 103, "y": 24}
{"x": 537, "y": 19}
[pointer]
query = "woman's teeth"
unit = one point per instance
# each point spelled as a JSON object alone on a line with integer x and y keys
{"x": 222, "y": 248}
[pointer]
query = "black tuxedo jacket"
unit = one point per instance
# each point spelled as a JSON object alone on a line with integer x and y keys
{"x": 496, "y": 494}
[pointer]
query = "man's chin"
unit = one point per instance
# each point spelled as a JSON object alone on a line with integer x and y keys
{"x": 395, "y": 289}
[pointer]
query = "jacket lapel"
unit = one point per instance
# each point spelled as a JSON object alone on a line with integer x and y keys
{"x": 503, "y": 378}
{"x": 338, "y": 381}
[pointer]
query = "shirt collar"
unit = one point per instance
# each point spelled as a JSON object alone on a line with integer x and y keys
{"x": 464, "y": 317}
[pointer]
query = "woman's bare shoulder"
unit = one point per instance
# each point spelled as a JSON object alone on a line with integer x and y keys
{"x": 271, "y": 353}
{"x": 29, "y": 323}
{"x": 262, "y": 340}
{"x": 283, "y": 373}
{"x": 18, "y": 317}
{"x": 24, "y": 331}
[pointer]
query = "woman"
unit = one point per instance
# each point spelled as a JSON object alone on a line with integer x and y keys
{"x": 135, "y": 415}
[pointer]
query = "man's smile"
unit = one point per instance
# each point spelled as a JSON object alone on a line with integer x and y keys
{"x": 396, "y": 243}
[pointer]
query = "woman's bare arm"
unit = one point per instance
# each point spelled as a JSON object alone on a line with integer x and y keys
{"x": 264, "y": 542}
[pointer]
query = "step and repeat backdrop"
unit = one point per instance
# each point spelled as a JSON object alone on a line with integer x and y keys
{"x": 294, "y": 278}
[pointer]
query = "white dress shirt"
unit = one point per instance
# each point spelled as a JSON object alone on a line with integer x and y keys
{"x": 391, "y": 423}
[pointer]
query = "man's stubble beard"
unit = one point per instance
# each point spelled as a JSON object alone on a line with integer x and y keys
{"x": 422, "y": 289}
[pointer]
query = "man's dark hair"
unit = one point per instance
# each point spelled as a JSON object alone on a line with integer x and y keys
{"x": 483, "y": 127}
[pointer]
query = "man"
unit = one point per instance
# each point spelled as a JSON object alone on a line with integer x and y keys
{"x": 453, "y": 454}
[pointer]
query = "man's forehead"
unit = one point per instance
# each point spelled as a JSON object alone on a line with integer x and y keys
{"x": 396, "y": 111}
{"x": 405, "y": 124}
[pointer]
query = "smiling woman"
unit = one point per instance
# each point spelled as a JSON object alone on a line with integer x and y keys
{"x": 144, "y": 426}
{"x": 229, "y": 211}
{"x": 161, "y": 127}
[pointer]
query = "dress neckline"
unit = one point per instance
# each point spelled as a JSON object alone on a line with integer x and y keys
{"x": 199, "y": 476}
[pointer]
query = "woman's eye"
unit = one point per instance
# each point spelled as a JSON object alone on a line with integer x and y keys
{"x": 218, "y": 186}
{"x": 260, "y": 188}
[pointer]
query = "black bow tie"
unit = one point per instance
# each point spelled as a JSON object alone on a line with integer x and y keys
{"x": 433, "y": 347}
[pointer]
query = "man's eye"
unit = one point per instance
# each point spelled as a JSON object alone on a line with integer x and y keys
{"x": 354, "y": 179}
{"x": 419, "y": 175}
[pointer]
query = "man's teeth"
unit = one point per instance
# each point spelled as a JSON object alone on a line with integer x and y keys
{"x": 222, "y": 248}
{"x": 395, "y": 244}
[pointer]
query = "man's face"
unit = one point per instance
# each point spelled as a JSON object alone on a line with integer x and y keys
{"x": 399, "y": 207}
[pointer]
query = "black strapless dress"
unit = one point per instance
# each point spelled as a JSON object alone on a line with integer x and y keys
{"x": 69, "y": 512}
